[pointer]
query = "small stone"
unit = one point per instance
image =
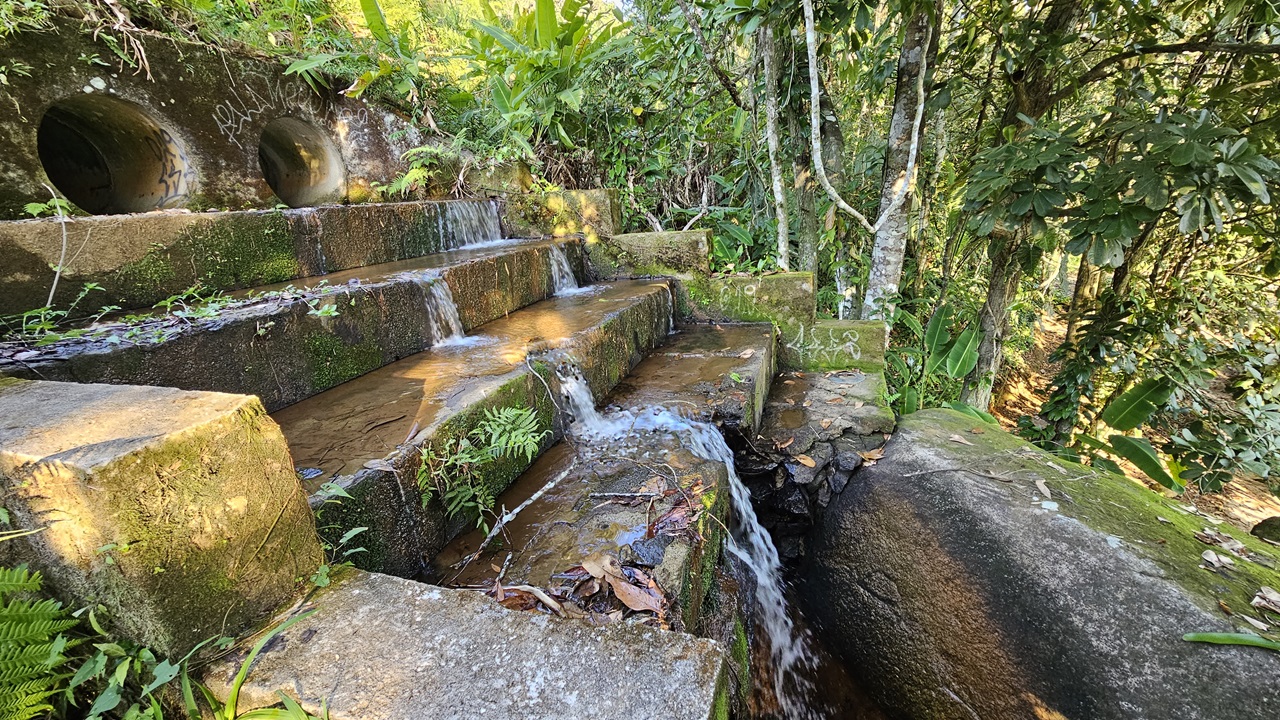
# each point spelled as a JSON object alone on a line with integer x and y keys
{"x": 1268, "y": 529}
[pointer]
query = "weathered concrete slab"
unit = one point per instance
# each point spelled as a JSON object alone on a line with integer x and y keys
{"x": 833, "y": 345}
{"x": 651, "y": 254}
{"x": 382, "y": 648}
{"x": 367, "y": 433}
{"x": 139, "y": 260}
{"x": 962, "y": 590}
{"x": 274, "y": 345}
{"x": 785, "y": 299}
{"x": 712, "y": 373}
{"x": 178, "y": 511}
{"x": 209, "y": 108}
{"x": 590, "y": 213}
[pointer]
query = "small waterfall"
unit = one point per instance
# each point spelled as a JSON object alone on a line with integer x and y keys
{"x": 748, "y": 541}
{"x": 471, "y": 222}
{"x": 562, "y": 278}
{"x": 442, "y": 312}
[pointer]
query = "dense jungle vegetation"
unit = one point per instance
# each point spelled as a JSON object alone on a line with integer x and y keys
{"x": 961, "y": 170}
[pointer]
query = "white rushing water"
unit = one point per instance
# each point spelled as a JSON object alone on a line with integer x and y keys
{"x": 562, "y": 277}
{"x": 442, "y": 313}
{"x": 748, "y": 541}
{"x": 467, "y": 223}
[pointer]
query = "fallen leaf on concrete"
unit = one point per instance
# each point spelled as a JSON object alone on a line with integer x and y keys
{"x": 1044, "y": 489}
{"x": 976, "y": 431}
{"x": 959, "y": 439}
{"x": 1210, "y": 536}
{"x": 518, "y": 600}
{"x": 635, "y": 598}
{"x": 1165, "y": 520}
{"x": 788, "y": 382}
{"x": 835, "y": 401}
{"x": 785, "y": 445}
{"x": 1224, "y": 608}
{"x": 857, "y": 404}
{"x": 1266, "y": 599}
{"x": 656, "y": 485}
{"x": 806, "y": 461}
{"x": 806, "y": 403}
{"x": 792, "y": 401}
{"x": 747, "y": 353}
{"x": 600, "y": 564}
{"x": 826, "y": 424}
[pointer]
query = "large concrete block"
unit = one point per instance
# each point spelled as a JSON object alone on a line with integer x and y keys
{"x": 383, "y": 648}
{"x": 960, "y": 589}
{"x": 179, "y": 511}
{"x": 780, "y": 298}
{"x": 656, "y": 253}
{"x": 590, "y": 213}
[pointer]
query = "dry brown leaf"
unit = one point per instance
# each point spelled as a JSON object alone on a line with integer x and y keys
{"x": 826, "y": 424}
{"x": 806, "y": 461}
{"x": 1213, "y": 560}
{"x": 785, "y": 445}
{"x": 1224, "y": 608}
{"x": 978, "y": 431}
{"x": 871, "y": 456}
{"x": 601, "y": 564}
{"x": 1256, "y": 623}
{"x": 857, "y": 404}
{"x": 655, "y": 485}
{"x": 634, "y": 597}
{"x": 959, "y": 439}
{"x": 1267, "y": 599}
{"x": 747, "y": 353}
{"x": 788, "y": 382}
{"x": 1044, "y": 489}
{"x": 835, "y": 401}
{"x": 806, "y": 403}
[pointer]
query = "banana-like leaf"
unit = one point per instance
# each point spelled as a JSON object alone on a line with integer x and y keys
{"x": 376, "y": 20}
{"x": 937, "y": 339}
{"x": 544, "y": 13}
{"x": 963, "y": 356}
{"x": 972, "y": 412}
{"x": 1139, "y": 452}
{"x": 1136, "y": 405}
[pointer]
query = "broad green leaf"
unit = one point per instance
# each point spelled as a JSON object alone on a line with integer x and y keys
{"x": 376, "y": 20}
{"x": 963, "y": 356}
{"x": 972, "y": 412}
{"x": 1138, "y": 403}
{"x": 1233, "y": 639}
{"x": 544, "y": 13}
{"x": 1139, "y": 452}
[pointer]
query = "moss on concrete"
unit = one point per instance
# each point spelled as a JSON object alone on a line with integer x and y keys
{"x": 333, "y": 361}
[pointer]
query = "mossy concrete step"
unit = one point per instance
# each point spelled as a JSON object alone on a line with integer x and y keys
{"x": 968, "y": 573}
{"x": 384, "y": 648}
{"x": 275, "y": 344}
{"x": 178, "y": 511}
{"x": 713, "y": 373}
{"x": 642, "y": 496}
{"x": 142, "y": 259}
{"x": 367, "y": 434}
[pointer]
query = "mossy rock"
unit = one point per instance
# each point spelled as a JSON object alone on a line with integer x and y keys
{"x": 961, "y": 589}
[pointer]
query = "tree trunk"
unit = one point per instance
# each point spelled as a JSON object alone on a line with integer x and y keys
{"x": 899, "y": 179}
{"x": 993, "y": 321}
{"x": 771, "y": 134}
{"x": 1032, "y": 96}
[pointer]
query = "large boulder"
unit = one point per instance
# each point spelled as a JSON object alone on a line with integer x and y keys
{"x": 963, "y": 590}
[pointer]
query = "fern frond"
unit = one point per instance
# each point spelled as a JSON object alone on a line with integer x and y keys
{"x": 18, "y": 579}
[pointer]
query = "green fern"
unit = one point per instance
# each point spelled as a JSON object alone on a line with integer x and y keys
{"x": 31, "y": 646}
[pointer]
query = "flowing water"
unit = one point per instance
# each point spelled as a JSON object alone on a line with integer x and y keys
{"x": 791, "y": 656}
{"x": 467, "y": 223}
{"x": 442, "y": 312}
{"x": 562, "y": 277}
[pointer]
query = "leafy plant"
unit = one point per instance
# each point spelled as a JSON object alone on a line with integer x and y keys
{"x": 32, "y": 646}
{"x": 454, "y": 472}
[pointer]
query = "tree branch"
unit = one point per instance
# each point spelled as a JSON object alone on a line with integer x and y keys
{"x": 692, "y": 18}
{"x": 1101, "y": 70}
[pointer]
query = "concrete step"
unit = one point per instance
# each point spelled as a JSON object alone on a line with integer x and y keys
{"x": 277, "y": 344}
{"x": 605, "y": 499}
{"x": 384, "y": 648}
{"x": 178, "y": 511}
{"x": 366, "y": 435}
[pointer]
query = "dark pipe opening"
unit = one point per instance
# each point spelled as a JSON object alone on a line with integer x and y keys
{"x": 111, "y": 156}
{"x": 300, "y": 163}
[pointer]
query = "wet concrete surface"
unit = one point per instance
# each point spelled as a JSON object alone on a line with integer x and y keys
{"x": 341, "y": 430}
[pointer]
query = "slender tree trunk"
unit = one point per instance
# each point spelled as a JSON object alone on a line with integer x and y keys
{"x": 993, "y": 321}
{"x": 766, "y": 50}
{"x": 891, "y": 239}
{"x": 1032, "y": 96}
